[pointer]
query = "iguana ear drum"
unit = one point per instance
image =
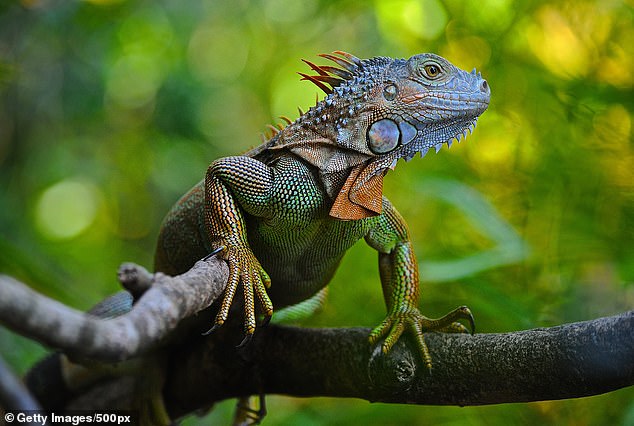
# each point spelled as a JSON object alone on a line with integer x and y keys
{"x": 383, "y": 136}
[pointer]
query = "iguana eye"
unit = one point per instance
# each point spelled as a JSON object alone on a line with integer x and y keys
{"x": 389, "y": 93}
{"x": 383, "y": 136}
{"x": 432, "y": 70}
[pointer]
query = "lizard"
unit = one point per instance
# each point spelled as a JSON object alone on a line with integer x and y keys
{"x": 283, "y": 214}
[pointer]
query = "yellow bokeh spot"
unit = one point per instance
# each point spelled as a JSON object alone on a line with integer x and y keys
{"x": 134, "y": 80}
{"x": 553, "y": 41}
{"x": 66, "y": 209}
{"x": 505, "y": 135}
{"x": 403, "y": 18}
{"x": 467, "y": 52}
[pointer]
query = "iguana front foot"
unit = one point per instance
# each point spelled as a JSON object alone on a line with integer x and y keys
{"x": 396, "y": 322}
{"x": 245, "y": 270}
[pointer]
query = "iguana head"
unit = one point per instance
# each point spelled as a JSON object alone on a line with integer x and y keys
{"x": 378, "y": 111}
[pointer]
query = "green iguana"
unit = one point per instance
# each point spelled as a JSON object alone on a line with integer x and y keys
{"x": 283, "y": 214}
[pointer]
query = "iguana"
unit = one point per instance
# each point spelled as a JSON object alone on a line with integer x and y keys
{"x": 283, "y": 214}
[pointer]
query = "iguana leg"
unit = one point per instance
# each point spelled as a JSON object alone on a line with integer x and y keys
{"x": 246, "y": 412}
{"x": 149, "y": 401}
{"x": 234, "y": 185}
{"x": 399, "y": 278}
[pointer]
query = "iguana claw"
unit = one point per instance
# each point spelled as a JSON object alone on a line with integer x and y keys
{"x": 396, "y": 323}
{"x": 214, "y": 252}
{"x": 246, "y": 270}
{"x": 212, "y": 329}
{"x": 245, "y": 341}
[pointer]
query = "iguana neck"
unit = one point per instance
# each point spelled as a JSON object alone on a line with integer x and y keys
{"x": 323, "y": 125}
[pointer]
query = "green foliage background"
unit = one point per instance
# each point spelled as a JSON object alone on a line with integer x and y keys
{"x": 111, "y": 109}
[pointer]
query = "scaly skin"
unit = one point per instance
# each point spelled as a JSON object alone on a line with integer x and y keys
{"x": 285, "y": 213}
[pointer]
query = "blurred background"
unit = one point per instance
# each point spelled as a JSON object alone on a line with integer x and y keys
{"x": 112, "y": 109}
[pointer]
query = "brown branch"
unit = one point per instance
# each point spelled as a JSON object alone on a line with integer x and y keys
{"x": 568, "y": 361}
{"x": 168, "y": 301}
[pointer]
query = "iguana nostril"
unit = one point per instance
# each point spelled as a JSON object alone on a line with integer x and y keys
{"x": 484, "y": 87}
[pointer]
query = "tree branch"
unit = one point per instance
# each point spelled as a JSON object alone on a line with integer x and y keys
{"x": 567, "y": 361}
{"x": 168, "y": 301}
